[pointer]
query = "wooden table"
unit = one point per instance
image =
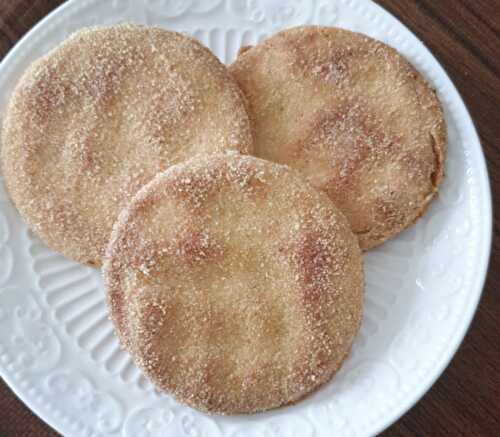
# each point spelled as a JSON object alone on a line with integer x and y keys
{"x": 465, "y": 36}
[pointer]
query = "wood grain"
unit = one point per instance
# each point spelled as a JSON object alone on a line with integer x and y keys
{"x": 465, "y": 36}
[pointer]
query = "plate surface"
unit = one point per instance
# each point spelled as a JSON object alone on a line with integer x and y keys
{"x": 58, "y": 351}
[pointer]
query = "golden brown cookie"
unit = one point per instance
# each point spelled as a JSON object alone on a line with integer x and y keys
{"x": 352, "y": 115}
{"x": 95, "y": 119}
{"x": 235, "y": 285}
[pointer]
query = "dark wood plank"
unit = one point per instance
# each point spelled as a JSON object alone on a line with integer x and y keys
{"x": 16, "y": 420}
{"x": 465, "y": 36}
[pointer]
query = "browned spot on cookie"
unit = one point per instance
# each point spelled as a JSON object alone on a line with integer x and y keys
{"x": 44, "y": 93}
{"x": 314, "y": 261}
{"x": 345, "y": 139}
{"x": 196, "y": 246}
{"x": 243, "y": 49}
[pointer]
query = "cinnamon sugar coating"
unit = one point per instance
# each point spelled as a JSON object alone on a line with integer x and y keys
{"x": 96, "y": 118}
{"x": 235, "y": 285}
{"x": 353, "y": 116}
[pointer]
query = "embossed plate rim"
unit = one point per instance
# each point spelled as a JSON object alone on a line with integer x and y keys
{"x": 45, "y": 410}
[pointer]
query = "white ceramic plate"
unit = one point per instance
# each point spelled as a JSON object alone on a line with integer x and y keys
{"x": 58, "y": 351}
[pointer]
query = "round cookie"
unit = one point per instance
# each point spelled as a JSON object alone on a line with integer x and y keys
{"x": 235, "y": 285}
{"x": 352, "y": 115}
{"x": 96, "y": 118}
